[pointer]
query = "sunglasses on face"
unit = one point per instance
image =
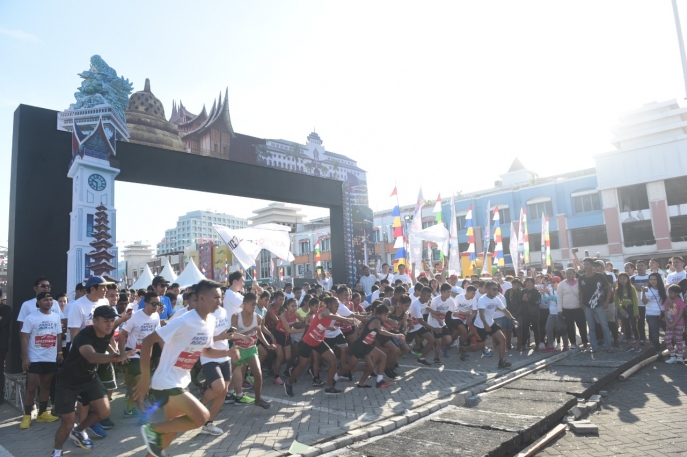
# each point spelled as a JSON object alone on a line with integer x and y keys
{"x": 495, "y": 289}
{"x": 157, "y": 303}
{"x": 45, "y": 286}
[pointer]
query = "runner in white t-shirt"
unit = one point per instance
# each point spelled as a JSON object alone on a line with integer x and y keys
{"x": 232, "y": 297}
{"x": 142, "y": 323}
{"x": 465, "y": 333}
{"x": 484, "y": 320}
{"x": 183, "y": 341}
{"x": 440, "y": 313}
{"x": 679, "y": 274}
{"x": 418, "y": 328}
{"x": 402, "y": 275}
{"x": 41, "y": 351}
{"x": 30, "y": 306}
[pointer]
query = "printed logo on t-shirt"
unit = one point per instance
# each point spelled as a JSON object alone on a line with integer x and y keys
{"x": 45, "y": 341}
{"x": 187, "y": 359}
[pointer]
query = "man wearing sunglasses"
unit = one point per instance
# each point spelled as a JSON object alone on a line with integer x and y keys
{"x": 160, "y": 285}
{"x": 31, "y": 306}
{"x": 142, "y": 323}
{"x": 484, "y": 320}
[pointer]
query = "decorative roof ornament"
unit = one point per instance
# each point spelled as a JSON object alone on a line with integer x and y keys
{"x": 101, "y": 86}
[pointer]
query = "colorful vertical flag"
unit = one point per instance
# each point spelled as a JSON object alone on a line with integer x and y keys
{"x": 438, "y": 219}
{"x": 453, "y": 246}
{"x": 487, "y": 237}
{"x": 545, "y": 242}
{"x": 226, "y": 269}
{"x": 394, "y": 193}
{"x": 525, "y": 240}
{"x": 318, "y": 260}
{"x": 396, "y": 222}
{"x": 471, "y": 235}
{"x": 498, "y": 240}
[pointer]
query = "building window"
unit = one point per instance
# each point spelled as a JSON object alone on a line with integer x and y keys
{"x": 676, "y": 191}
{"x": 633, "y": 198}
{"x": 89, "y": 226}
{"x": 586, "y": 202}
{"x": 504, "y": 216}
{"x": 427, "y": 224}
{"x": 638, "y": 233}
{"x": 535, "y": 210}
{"x": 87, "y": 262}
{"x": 678, "y": 228}
{"x": 377, "y": 236}
{"x": 535, "y": 241}
{"x": 300, "y": 269}
{"x": 589, "y": 236}
{"x": 461, "y": 222}
{"x": 304, "y": 247}
{"x": 326, "y": 245}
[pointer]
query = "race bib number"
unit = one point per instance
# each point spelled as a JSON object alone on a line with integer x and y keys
{"x": 45, "y": 341}
{"x": 247, "y": 344}
{"x": 369, "y": 339}
{"x": 186, "y": 360}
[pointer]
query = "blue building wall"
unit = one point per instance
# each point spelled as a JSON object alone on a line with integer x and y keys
{"x": 561, "y": 201}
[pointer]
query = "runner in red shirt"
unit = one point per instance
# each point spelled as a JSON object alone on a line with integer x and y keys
{"x": 314, "y": 339}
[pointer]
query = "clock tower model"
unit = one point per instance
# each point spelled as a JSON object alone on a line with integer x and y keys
{"x": 93, "y": 168}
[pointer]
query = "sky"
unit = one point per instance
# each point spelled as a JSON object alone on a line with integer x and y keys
{"x": 442, "y": 95}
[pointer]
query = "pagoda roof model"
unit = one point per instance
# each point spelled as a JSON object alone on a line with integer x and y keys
{"x": 218, "y": 119}
{"x": 186, "y": 120}
{"x": 95, "y": 144}
{"x": 100, "y": 256}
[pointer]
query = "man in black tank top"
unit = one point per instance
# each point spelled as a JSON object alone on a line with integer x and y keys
{"x": 364, "y": 348}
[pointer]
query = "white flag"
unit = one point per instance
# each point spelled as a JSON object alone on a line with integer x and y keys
{"x": 513, "y": 245}
{"x": 243, "y": 250}
{"x": 454, "y": 250}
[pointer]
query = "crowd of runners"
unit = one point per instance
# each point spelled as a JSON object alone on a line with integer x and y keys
{"x": 229, "y": 339}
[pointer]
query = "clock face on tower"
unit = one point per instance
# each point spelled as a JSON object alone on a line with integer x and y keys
{"x": 97, "y": 182}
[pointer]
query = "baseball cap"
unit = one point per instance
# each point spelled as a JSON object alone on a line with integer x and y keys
{"x": 43, "y": 295}
{"x": 455, "y": 289}
{"x": 600, "y": 263}
{"x": 105, "y": 311}
{"x": 159, "y": 280}
{"x": 97, "y": 281}
{"x": 453, "y": 276}
{"x": 556, "y": 279}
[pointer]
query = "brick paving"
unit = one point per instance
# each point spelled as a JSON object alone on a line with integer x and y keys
{"x": 309, "y": 417}
{"x": 644, "y": 415}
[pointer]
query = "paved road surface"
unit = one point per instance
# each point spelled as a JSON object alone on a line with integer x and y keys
{"x": 308, "y": 417}
{"x": 645, "y": 415}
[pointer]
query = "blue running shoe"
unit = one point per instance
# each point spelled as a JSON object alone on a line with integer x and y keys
{"x": 107, "y": 423}
{"x": 97, "y": 430}
{"x": 80, "y": 439}
{"x": 143, "y": 419}
{"x": 444, "y": 351}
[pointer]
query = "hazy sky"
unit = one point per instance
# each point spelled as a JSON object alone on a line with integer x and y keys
{"x": 442, "y": 94}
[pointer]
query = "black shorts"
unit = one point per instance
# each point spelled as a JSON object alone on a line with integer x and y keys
{"x": 349, "y": 333}
{"x": 458, "y": 324}
{"x": 41, "y": 368}
{"x": 214, "y": 371}
{"x": 425, "y": 316}
{"x": 66, "y": 395}
{"x": 133, "y": 367}
{"x": 359, "y": 349}
{"x": 417, "y": 333}
{"x": 382, "y": 339}
{"x": 483, "y": 333}
{"x": 283, "y": 339}
{"x": 162, "y": 396}
{"x": 337, "y": 341}
{"x": 443, "y": 331}
{"x": 305, "y": 350}
{"x": 107, "y": 376}
{"x": 157, "y": 351}
{"x": 451, "y": 323}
